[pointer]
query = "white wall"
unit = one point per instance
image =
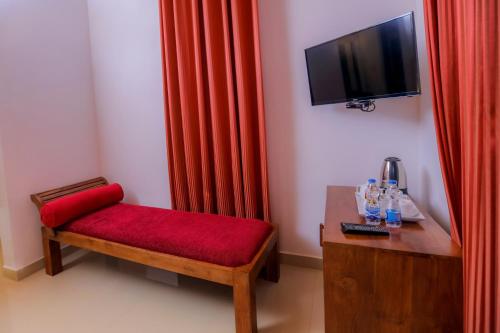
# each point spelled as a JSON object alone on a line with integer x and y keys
{"x": 47, "y": 119}
{"x": 311, "y": 147}
{"x": 125, "y": 43}
{"x": 49, "y": 88}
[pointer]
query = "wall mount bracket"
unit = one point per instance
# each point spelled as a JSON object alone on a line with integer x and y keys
{"x": 364, "y": 105}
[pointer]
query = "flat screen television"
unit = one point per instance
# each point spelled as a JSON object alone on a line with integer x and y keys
{"x": 377, "y": 62}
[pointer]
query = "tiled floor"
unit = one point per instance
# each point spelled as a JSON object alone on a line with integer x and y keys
{"x": 93, "y": 295}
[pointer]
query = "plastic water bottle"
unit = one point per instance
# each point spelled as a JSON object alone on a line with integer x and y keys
{"x": 372, "y": 204}
{"x": 393, "y": 211}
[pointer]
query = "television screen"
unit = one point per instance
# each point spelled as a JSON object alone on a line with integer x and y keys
{"x": 376, "y": 62}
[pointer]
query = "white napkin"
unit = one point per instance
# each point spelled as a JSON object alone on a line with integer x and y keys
{"x": 408, "y": 208}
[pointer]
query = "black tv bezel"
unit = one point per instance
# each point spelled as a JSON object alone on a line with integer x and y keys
{"x": 364, "y": 98}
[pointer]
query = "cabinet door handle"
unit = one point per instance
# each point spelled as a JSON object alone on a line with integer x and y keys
{"x": 321, "y": 228}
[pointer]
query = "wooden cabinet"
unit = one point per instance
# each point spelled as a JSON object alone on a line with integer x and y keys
{"x": 406, "y": 282}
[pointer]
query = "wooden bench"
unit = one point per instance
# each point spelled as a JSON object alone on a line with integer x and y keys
{"x": 242, "y": 278}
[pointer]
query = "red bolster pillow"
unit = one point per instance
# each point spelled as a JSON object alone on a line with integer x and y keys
{"x": 60, "y": 211}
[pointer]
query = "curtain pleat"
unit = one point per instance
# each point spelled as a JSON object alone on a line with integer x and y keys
{"x": 463, "y": 44}
{"x": 442, "y": 65}
{"x": 214, "y": 108}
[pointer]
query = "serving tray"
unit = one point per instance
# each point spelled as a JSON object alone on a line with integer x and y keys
{"x": 409, "y": 211}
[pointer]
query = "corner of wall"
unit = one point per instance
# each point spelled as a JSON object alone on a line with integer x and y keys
{"x": 7, "y": 249}
{"x": 92, "y": 74}
{"x": 48, "y": 125}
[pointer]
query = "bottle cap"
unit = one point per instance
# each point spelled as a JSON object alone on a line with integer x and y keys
{"x": 392, "y": 182}
{"x": 372, "y": 181}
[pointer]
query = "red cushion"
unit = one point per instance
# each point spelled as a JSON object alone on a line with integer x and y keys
{"x": 222, "y": 240}
{"x": 60, "y": 211}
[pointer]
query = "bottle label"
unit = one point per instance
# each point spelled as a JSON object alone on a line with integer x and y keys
{"x": 393, "y": 215}
{"x": 373, "y": 213}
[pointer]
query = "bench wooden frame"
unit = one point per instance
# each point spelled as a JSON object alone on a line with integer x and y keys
{"x": 242, "y": 278}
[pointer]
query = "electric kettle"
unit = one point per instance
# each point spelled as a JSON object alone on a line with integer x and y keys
{"x": 393, "y": 168}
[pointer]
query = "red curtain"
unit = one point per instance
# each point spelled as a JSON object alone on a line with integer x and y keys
{"x": 214, "y": 107}
{"x": 463, "y": 44}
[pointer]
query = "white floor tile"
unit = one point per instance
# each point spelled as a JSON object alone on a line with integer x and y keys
{"x": 92, "y": 295}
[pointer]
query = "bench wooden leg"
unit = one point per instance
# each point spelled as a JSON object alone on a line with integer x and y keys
{"x": 52, "y": 254}
{"x": 272, "y": 267}
{"x": 244, "y": 303}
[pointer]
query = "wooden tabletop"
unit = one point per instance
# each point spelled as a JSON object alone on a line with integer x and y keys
{"x": 425, "y": 237}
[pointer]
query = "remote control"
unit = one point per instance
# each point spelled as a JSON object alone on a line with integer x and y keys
{"x": 363, "y": 229}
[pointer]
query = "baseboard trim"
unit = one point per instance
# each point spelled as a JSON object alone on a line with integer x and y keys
{"x": 299, "y": 260}
{"x": 286, "y": 258}
{"x": 18, "y": 275}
